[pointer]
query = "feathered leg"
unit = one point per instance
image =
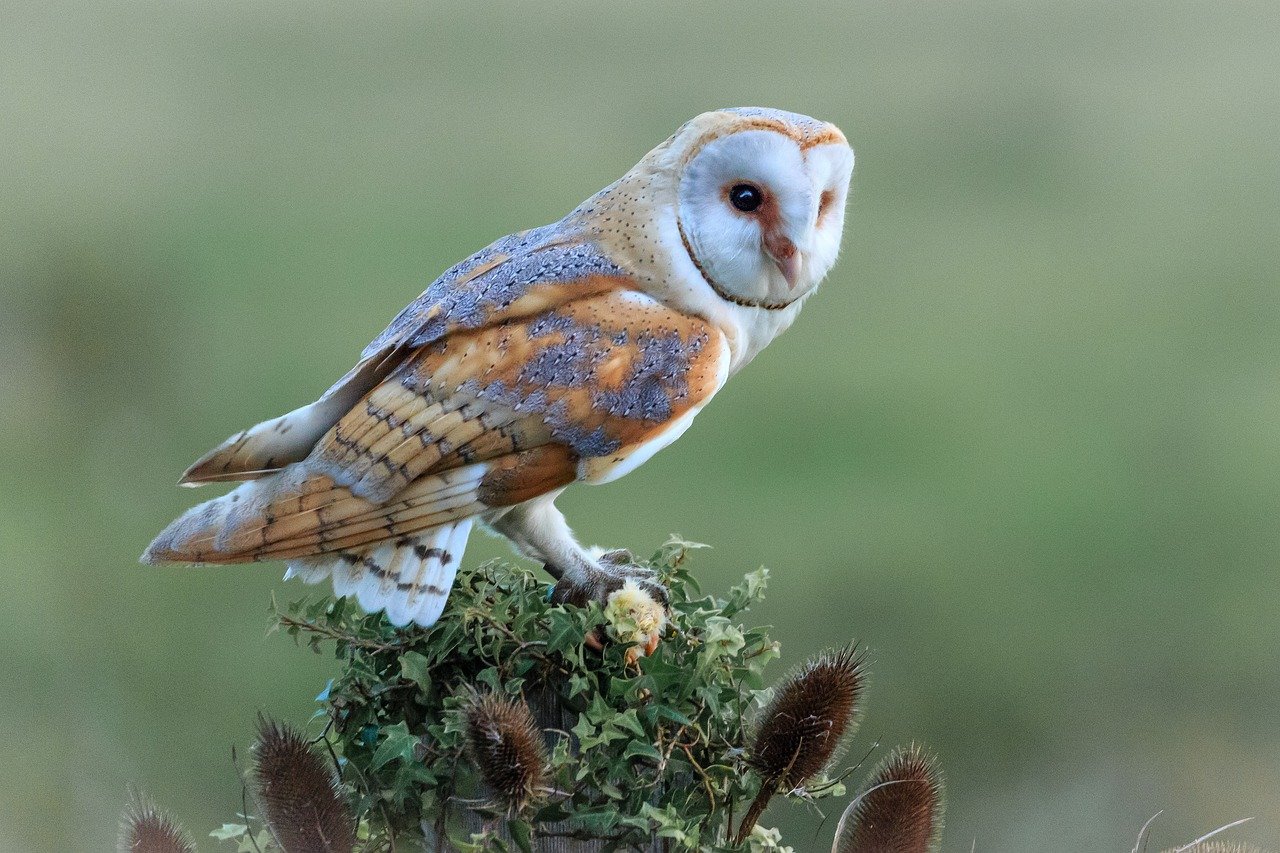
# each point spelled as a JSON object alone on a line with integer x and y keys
{"x": 538, "y": 530}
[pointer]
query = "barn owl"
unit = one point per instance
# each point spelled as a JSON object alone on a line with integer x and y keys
{"x": 563, "y": 354}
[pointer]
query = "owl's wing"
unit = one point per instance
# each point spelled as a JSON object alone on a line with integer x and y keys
{"x": 518, "y": 276}
{"x": 475, "y": 419}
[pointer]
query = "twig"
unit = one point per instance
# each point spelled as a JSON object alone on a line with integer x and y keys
{"x": 244, "y": 797}
{"x": 334, "y": 634}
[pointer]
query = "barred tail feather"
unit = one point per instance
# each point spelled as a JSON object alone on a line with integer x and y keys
{"x": 409, "y": 577}
{"x": 400, "y": 557}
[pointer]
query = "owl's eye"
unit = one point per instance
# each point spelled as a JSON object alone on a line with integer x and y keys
{"x": 746, "y": 197}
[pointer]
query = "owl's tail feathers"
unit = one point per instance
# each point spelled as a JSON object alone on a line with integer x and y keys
{"x": 409, "y": 577}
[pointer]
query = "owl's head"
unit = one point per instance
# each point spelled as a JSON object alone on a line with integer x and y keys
{"x": 760, "y": 201}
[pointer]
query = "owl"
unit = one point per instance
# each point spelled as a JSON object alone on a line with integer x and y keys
{"x": 565, "y": 354}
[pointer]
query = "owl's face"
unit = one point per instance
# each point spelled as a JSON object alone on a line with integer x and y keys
{"x": 761, "y": 206}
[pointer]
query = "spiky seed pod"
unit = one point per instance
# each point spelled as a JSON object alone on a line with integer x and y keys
{"x": 803, "y": 724}
{"x": 506, "y": 748}
{"x": 809, "y": 713}
{"x": 1217, "y": 847}
{"x": 298, "y": 795}
{"x": 146, "y": 829}
{"x": 899, "y": 810}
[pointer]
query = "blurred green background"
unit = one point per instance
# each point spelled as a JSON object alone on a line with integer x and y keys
{"x": 1024, "y": 444}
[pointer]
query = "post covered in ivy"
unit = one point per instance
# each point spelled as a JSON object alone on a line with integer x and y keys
{"x": 515, "y": 724}
{"x": 643, "y": 753}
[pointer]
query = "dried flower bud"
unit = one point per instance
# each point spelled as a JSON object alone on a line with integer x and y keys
{"x": 809, "y": 714}
{"x": 506, "y": 748}
{"x": 802, "y": 725}
{"x": 145, "y": 829}
{"x": 298, "y": 794}
{"x": 899, "y": 809}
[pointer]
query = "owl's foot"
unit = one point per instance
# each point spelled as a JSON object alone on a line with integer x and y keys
{"x": 634, "y": 601}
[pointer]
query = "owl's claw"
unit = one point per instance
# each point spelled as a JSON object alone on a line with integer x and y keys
{"x": 634, "y": 601}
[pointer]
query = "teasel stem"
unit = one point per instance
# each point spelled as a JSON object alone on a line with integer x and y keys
{"x": 752, "y": 817}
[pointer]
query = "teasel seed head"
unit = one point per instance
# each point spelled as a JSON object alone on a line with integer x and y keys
{"x": 899, "y": 810}
{"x": 811, "y": 711}
{"x": 146, "y": 829}
{"x": 506, "y": 748}
{"x": 801, "y": 727}
{"x": 298, "y": 794}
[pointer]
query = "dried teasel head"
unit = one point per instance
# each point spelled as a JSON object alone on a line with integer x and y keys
{"x": 802, "y": 725}
{"x": 298, "y": 794}
{"x": 810, "y": 712}
{"x": 506, "y": 748}
{"x": 146, "y": 829}
{"x": 899, "y": 810}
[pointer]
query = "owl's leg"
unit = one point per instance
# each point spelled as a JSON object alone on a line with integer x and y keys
{"x": 539, "y": 531}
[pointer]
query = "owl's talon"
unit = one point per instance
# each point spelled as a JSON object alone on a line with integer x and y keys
{"x": 621, "y": 558}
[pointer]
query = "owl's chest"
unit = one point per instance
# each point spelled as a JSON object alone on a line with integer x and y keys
{"x": 749, "y": 330}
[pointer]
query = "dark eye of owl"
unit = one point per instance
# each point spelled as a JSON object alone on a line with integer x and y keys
{"x": 746, "y": 197}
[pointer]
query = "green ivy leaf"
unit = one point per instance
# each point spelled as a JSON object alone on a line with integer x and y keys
{"x": 491, "y": 678}
{"x": 564, "y": 633}
{"x": 522, "y": 834}
{"x": 747, "y": 593}
{"x": 229, "y": 831}
{"x": 416, "y": 668}
{"x": 578, "y": 684}
{"x": 598, "y": 820}
{"x": 642, "y": 749}
{"x": 397, "y": 744}
{"x": 673, "y": 715}
{"x": 627, "y": 720}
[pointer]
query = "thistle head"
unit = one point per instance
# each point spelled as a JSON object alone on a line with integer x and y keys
{"x": 146, "y": 829}
{"x": 899, "y": 810}
{"x": 298, "y": 794}
{"x": 506, "y": 748}
{"x": 805, "y": 720}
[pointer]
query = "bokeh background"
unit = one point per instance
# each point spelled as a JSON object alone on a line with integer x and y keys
{"x": 1025, "y": 444}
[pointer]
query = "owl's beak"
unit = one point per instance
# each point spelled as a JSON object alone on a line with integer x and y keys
{"x": 786, "y": 256}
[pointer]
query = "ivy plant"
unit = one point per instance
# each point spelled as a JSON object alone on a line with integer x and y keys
{"x": 634, "y": 748}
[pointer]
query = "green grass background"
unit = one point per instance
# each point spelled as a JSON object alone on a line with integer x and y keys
{"x": 1024, "y": 443}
